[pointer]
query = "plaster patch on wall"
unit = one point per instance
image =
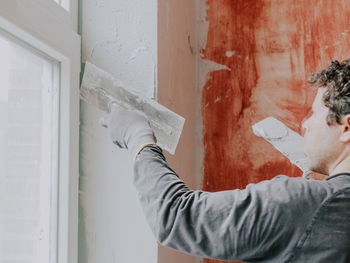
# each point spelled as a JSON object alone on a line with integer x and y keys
{"x": 230, "y": 53}
{"x": 203, "y": 23}
{"x": 128, "y": 52}
{"x": 218, "y": 99}
{"x": 205, "y": 65}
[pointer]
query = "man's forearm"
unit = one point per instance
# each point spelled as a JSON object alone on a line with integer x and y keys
{"x": 227, "y": 225}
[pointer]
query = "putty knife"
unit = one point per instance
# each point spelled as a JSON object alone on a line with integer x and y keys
{"x": 287, "y": 141}
{"x": 99, "y": 88}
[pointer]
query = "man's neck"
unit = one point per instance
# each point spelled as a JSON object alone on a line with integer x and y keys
{"x": 343, "y": 166}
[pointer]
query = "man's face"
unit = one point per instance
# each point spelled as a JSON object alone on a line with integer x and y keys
{"x": 322, "y": 145}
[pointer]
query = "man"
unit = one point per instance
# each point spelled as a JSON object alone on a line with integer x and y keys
{"x": 280, "y": 220}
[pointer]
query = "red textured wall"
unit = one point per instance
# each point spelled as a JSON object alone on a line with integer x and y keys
{"x": 275, "y": 45}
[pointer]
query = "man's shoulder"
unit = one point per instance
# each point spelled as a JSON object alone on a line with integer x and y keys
{"x": 298, "y": 190}
{"x": 331, "y": 183}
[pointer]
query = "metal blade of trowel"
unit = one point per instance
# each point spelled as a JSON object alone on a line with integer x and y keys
{"x": 99, "y": 88}
{"x": 287, "y": 141}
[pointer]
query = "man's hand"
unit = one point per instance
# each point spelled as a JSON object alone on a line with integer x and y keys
{"x": 128, "y": 129}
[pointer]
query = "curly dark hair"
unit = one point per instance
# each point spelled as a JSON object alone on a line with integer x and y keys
{"x": 336, "y": 78}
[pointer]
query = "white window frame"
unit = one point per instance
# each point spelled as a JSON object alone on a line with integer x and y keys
{"x": 69, "y": 18}
{"x": 49, "y": 28}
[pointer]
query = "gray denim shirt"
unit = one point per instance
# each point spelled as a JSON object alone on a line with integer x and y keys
{"x": 279, "y": 220}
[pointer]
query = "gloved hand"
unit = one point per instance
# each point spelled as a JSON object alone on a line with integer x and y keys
{"x": 128, "y": 129}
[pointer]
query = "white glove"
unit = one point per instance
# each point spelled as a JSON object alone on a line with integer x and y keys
{"x": 129, "y": 129}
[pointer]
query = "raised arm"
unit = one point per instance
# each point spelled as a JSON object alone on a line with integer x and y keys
{"x": 229, "y": 225}
{"x": 255, "y": 223}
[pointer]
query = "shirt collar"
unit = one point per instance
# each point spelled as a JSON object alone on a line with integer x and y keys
{"x": 336, "y": 175}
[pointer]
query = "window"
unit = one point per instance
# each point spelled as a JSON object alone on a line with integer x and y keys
{"x": 39, "y": 124}
{"x": 66, "y": 11}
{"x": 29, "y": 153}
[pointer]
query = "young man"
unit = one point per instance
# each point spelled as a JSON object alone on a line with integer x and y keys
{"x": 280, "y": 220}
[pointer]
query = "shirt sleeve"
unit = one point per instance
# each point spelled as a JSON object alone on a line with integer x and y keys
{"x": 238, "y": 224}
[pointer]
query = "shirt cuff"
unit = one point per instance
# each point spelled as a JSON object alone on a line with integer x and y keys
{"x": 142, "y": 147}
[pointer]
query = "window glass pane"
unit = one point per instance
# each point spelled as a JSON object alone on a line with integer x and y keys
{"x": 64, "y": 3}
{"x": 28, "y": 153}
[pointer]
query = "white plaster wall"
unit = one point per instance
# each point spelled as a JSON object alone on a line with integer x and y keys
{"x": 119, "y": 36}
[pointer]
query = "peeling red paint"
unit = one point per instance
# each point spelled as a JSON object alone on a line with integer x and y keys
{"x": 274, "y": 46}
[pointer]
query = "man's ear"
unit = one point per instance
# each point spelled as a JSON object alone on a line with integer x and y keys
{"x": 345, "y": 135}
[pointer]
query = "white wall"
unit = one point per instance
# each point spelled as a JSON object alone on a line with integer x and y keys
{"x": 121, "y": 38}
